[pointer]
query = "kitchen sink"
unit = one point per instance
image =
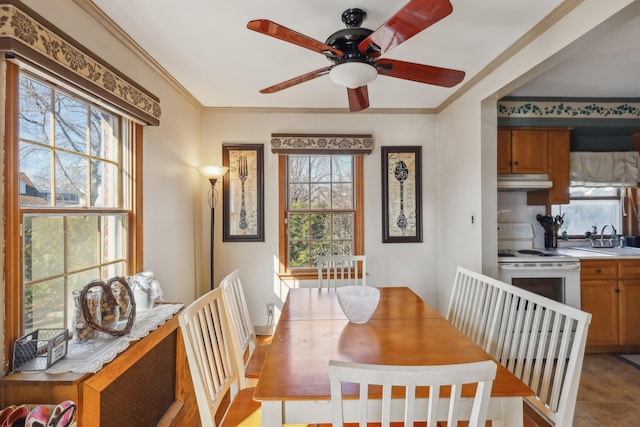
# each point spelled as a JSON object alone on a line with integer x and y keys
{"x": 624, "y": 251}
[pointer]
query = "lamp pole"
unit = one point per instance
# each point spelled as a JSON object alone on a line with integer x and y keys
{"x": 213, "y": 174}
{"x": 213, "y": 217}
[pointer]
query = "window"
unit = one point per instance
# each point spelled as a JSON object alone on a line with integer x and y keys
{"x": 588, "y": 207}
{"x": 320, "y": 209}
{"x": 74, "y": 199}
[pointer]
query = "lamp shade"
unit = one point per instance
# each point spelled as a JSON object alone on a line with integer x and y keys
{"x": 213, "y": 172}
{"x": 353, "y": 74}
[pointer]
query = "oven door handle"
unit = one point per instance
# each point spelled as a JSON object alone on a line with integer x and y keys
{"x": 564, "y": 267}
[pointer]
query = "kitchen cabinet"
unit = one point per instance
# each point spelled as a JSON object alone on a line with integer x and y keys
{"x": 559, "y": 170}
{"x": 522, "y": 151}
{"x": 610, "y": 291}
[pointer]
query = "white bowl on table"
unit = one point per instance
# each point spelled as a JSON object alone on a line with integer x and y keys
{"x": 358, "y": 302}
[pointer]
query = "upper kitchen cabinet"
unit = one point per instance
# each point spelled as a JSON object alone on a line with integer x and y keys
{"x": 559, "y": 157}
{"x": 523, "y": 151}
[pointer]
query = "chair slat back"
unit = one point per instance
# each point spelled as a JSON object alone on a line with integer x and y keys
{"x": 474, "y": 301}
{"x": 210, "y": 354}
{"x": 539, "y": 340}
{"x": 412, "y": 409}
{"x": 342, "y": 270}
{"x": 239, "y": 321}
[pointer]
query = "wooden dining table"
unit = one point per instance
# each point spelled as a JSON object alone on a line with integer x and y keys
{"x": 293, "y": 387}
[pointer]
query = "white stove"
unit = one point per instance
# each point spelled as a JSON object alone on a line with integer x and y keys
{"x": 541, "y": 271}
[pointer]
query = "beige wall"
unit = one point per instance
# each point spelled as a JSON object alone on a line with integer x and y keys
{"x": 412, "y": 264}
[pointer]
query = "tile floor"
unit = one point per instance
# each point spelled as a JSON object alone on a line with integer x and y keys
{"x": 609, "y": 393}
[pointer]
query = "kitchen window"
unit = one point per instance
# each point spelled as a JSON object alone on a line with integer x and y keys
{"x": 588, "y": 207}
{"x": 321, "y": 210}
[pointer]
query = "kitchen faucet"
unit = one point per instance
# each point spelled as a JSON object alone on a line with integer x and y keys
{"x": 614, "y": 234}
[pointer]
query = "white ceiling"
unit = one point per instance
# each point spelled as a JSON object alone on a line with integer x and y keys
{"x": 206, "y": 47}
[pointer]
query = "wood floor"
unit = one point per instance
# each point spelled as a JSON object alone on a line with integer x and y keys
{"x": 609, "y": 393}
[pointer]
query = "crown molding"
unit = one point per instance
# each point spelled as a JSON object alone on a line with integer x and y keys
{"x": 103, "y": 19}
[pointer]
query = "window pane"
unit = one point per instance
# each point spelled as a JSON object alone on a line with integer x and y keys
{"x": 342, "y": 196}
{"x": 104, "y": 135}
{"x": 298, "y": 168}
{"x": 320, "y": 169}
{"x": 117, "y": 269}
{"x": 82, "y": 242}
{"x": 320, "y": 226}
{"x": 342, "y": 169}
{"x": 342, "y": 226}
{"x": 577, "y": 192}
{"x": 71, "y": 123}
{"x": 104, "y": 184}
{"x": 35, "y": 111}
{"x": 581, "y": 215}
{"x": 35, "y": 175}
{"x": 44, "y": 305}
{"x": 320, "y": 196}
{"x": 299, "y": 254}
{"x": 298, "y": 196}
{"x": 114, "y": 230}
{"x": 43, "y": 247}
{"x": 71, "y": 180}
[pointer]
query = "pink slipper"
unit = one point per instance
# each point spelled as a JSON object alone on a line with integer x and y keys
{"x": 38, "y": 417}
{"x": 62, "y": 415}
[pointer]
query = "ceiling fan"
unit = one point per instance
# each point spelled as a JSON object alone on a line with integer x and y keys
{"x": 355, "y": 52}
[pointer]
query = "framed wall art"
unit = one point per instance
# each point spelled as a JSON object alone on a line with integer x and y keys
{"x": 401, "y": 194}
{"x": 243, "y": 193}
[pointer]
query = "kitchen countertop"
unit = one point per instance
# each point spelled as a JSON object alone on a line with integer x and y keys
{"x": 626, "y": 252}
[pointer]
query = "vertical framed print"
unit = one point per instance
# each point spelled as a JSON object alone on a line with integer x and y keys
{"x": 401, "y": 194}
{"x": 243, "y": 193}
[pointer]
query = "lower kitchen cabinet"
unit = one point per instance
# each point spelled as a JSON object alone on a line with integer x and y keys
{"x": 610, "y": 291}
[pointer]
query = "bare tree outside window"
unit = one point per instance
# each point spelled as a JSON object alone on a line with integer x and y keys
{"x": 321, "y": 206}
{"x": 74, "y": 218}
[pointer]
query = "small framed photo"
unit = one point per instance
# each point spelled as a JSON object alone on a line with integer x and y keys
{"x": 243, "y": 193}
{"x": 401, "y": 194}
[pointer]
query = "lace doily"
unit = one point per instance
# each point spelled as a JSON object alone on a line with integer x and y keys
{"x": 90, "y": 357}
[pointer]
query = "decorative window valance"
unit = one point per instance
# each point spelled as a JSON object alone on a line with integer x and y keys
{"x": 26, "y": 35}
{"x": 607, "y": 169}
{"x": 286, "y": 143}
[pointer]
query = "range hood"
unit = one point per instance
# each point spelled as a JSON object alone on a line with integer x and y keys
{"x": 523, "y": 182}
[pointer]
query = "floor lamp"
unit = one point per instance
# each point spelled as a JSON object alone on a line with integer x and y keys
{"x": 213, "y": 174}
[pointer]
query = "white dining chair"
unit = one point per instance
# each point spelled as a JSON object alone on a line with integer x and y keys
{"x": 209, "y": 346}
{"x": 248, "y": 352}
{"x": 342, "y": 270}
{"x": 410, "y": 409}
{"x": 541, "y": 341}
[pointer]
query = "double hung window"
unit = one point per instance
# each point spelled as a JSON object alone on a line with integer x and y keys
{"x": 74, "y": 201}
{"x": 320, "y": 208}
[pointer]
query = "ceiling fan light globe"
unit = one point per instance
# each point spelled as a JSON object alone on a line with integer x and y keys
{"x": 353, "y": 74}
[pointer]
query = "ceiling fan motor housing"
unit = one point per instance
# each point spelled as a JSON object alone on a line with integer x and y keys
{"x": 348, "y": 39}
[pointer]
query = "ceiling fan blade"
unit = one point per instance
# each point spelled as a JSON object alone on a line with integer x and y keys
{"x": 414, "y": 17}
{"x": 272, "y": 29}
{"x": 358, "y": 98}
{"x": 297, "y": 80}
{"x": 419, "y": 73}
